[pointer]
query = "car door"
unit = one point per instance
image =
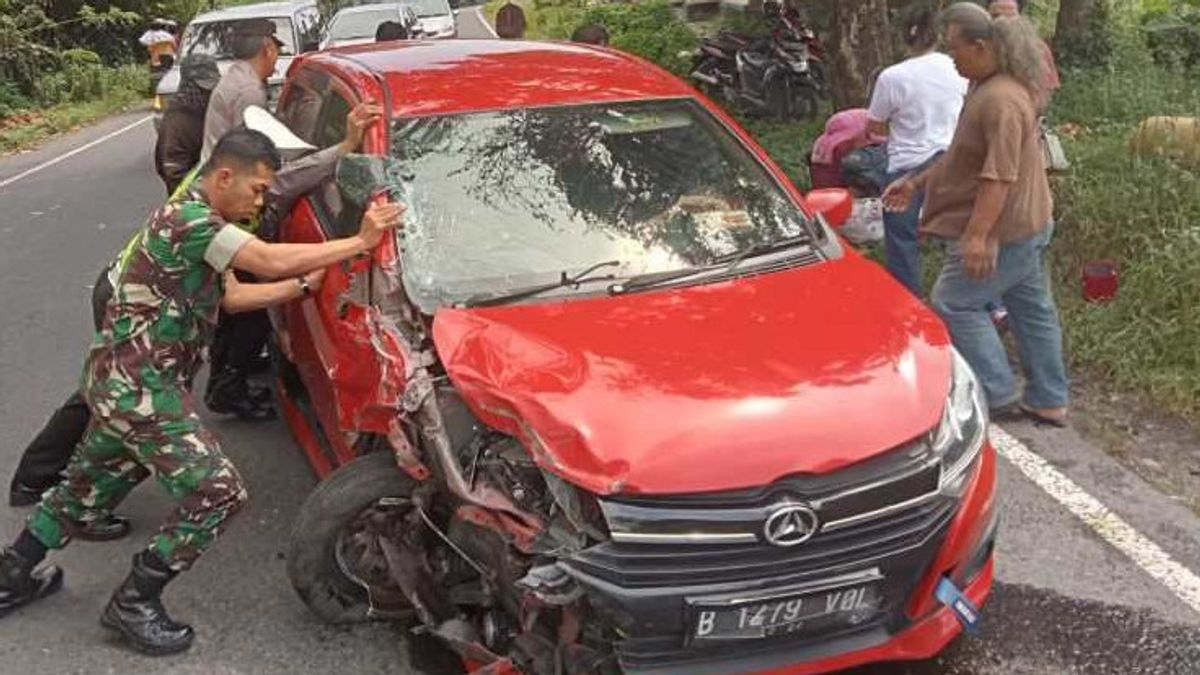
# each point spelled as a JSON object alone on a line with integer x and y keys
{"x": 335, "y": 339}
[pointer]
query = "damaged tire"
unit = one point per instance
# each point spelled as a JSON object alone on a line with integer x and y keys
{"x": 335, "y": 562}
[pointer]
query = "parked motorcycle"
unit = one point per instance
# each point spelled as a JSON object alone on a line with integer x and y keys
{"x": 782, "y": 74}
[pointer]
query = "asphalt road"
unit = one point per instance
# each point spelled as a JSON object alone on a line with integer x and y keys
{"x": 1067, "y": 600}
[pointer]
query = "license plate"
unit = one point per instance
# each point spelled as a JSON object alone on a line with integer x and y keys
{"x": 783, "y": 614}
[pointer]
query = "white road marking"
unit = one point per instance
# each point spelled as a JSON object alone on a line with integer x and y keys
{"x": 1112, "y": 528}
{"x": 483, "y": 20}
{"x": 67, "y": 155}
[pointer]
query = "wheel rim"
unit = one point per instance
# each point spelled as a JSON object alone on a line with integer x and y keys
{"x": 360, "y": 558}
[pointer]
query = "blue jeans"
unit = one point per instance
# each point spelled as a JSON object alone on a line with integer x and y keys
{"x": 1020, "y": 280}
{"x": 901, "y": 245}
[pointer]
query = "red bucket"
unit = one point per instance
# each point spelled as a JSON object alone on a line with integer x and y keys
{"x": 1100, "y": 280}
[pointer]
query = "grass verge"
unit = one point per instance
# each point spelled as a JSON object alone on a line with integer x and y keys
{"x": 27, "y": 128}
{"x": 1143, "y": 214}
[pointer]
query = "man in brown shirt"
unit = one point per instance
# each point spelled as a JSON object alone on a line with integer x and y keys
{"x": 988, "y": 197}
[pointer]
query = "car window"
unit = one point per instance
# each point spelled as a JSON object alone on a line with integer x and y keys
{"x": 431, "y": 7}
{"x": 215, "y": 38}
{"x": 332, "y": 125}
{"x": 350, "y": 26}
{"x": 300, "y": 110}
{"x": 309, "y": 26}
{"x": 339, "y": 218}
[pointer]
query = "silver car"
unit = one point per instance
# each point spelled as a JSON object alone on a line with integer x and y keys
{"x": 357, "y": 25}
{"x": 297, "y": 25}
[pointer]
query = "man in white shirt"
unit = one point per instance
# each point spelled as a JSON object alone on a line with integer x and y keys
{"x": 916, "y": 104}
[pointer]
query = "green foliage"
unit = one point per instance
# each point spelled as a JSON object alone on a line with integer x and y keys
{"x": 81, "y": 77}
{"x": 1173, "y": 33}
{"x": 1090, "y": 45}
{"x": 36, "y": 125}
{"x": 650, "y": 30}
{"x": 788, "y": 143}
{"x": 12, "y": 101}
{"x": 22, "y": 57}
{"x": 1142, "y": 213}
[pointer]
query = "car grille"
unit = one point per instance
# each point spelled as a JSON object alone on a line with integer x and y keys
{"x": 643, "y": 565}
{"x": 887, "y": 514}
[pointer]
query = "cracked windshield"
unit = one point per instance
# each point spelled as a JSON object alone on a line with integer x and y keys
{"x": 505, "y": 200}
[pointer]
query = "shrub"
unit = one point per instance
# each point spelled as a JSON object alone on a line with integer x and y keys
{"x": 82, "y": 78}
{"x": 1173, "y": 36}
{"x": 650, "y": 30}
{"x": 12, "y": 101}
{"x": 1142, "y": 213}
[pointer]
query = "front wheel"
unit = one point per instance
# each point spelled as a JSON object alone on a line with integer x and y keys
{"x": 336, "y": 563}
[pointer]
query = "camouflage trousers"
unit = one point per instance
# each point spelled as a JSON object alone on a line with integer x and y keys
{"x": 121, "y": 448}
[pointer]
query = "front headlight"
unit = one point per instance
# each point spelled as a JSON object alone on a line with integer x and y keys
{"x": 960, "y": 434}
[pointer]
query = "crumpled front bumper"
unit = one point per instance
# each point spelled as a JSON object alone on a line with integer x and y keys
{"x": 643, "y": 592}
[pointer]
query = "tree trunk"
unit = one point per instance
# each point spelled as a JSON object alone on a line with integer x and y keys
{"x": 1082, "y": 34}
{"x": 860, "y": 46}
{"x": 1073, "y": 17}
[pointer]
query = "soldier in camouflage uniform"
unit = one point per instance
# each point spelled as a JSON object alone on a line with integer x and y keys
{"x": 137, "y": 383}
{"x": 45, "y": 458}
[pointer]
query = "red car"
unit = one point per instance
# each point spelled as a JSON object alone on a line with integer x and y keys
{"x": 618, "y": 398}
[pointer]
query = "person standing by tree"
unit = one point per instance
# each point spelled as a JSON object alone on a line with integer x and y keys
{"x": 916, "y": 105}
{"x": 989, "y": 198}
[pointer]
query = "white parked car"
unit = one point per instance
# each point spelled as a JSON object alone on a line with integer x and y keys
{"x": 437, "y": 18}
{"x": 357, "y": 25}
{"x": 297, "y": 25}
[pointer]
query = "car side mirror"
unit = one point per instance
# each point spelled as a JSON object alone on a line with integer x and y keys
{"x": 361, "y": 177}
{"x": 835, "y": 204}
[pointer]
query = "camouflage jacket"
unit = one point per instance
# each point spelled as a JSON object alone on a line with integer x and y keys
{"x": 167, "y": 294}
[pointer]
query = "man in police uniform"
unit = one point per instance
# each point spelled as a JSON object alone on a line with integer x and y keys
{"x": 137, "y": 383}
{"x": 245, "y": 82}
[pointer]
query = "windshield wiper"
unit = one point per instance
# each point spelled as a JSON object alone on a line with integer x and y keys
{"x": 732, "y": 260}
{"x": 643, "y": 281}
{"x": 726, "y": 263}
{"x": 564, "y": 281}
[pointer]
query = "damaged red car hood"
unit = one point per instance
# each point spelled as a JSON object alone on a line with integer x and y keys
{"x": 710, "y": 387}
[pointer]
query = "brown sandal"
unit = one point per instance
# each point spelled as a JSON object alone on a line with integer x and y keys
{"x": 1044, "y": 420}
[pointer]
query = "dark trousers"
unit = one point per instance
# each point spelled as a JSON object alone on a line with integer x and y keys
{"x": 47, "y": 455}
{"x": 238, "y": 342}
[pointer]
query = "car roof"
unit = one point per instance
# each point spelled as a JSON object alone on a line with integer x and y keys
{"x": 260, "y": 10}
{"x": 449, "y": 76}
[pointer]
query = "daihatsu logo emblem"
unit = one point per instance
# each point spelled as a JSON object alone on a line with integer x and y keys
{"x": 790, "y": 525}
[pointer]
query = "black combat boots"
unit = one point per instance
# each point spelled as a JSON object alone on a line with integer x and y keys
{"x": 230, "y": 393}
{"x": 136, "y": 611}
{"x": 21, "y": 584}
